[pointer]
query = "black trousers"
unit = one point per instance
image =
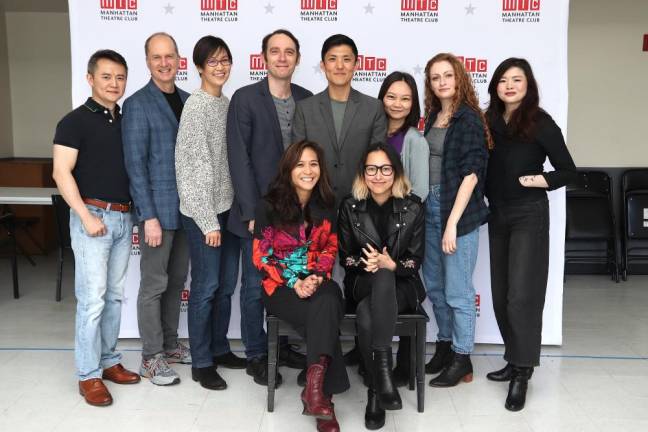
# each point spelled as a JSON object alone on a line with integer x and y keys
{"x": 519, "y": 263}
{"x": 380, "y": 298}
{"x": 317, "y": 319}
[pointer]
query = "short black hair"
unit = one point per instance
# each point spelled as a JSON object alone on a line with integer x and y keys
{"x": 206, "y": 46}
{"x": 105, "y": 54}
{"x": 148, "y": 41}
{"x": 414, "y": 116}
{"x": 266, "y": 39}
{"x": 337, "y": 40}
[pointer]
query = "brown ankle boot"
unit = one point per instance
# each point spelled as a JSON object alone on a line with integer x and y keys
{"x": 328, "y": 425}
{"x": 316, "y": 404}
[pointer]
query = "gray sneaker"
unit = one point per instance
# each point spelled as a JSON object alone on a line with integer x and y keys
{"x": 158, "y": 371}
{"x": 180, "y": 354}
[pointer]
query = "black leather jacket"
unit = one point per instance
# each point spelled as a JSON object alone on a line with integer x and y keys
{"x": 405, "y": 241}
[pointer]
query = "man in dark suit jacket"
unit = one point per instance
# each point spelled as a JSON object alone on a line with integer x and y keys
{"x": 149, "y": 129}
{"x": 340, "y": 119}
{"x": 259, "y": 124}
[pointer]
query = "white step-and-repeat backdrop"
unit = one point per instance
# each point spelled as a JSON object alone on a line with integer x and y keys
{"x": 390, "y": 35}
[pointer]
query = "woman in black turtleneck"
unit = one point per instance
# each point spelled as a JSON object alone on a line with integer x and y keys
{"x": 516, "y": 185}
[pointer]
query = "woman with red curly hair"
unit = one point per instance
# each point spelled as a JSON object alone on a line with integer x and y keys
{"x": 459, "y": 140}
{"x": 295, "y": 243}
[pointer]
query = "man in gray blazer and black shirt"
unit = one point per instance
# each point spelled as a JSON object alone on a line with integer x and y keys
{"x": 340, "y": 119}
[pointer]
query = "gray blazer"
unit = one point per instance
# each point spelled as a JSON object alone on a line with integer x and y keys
{"x": 416, "y": 162}
{"x": 364, "y": 123}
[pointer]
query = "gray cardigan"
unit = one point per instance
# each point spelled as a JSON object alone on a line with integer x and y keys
{"x": 416, "y": 161}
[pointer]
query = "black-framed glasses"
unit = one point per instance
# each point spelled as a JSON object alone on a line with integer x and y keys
{"x": 212, "y": 62}
{"x": 372, "y": 170}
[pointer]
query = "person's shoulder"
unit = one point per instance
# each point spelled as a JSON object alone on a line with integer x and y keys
{"x": 348, "y": 202}
{"x": 544, "y": 119}
{"x": 414, "y": 134}
{"x": 413, "y": 202}
{"x": 365, "y": 98}
{"x": 248, "y": 90}
{"x": 313, "y": 100}
{"x": 137, "y": 96}
{"x": 300, "y": 92}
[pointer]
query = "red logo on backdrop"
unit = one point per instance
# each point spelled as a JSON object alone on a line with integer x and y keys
{"x": 521, "y": 5}
{"x": 218, "y": 5}
{"x": 182, "y": 73}
{"x": 366, "y": 63}
{"x": 419, "y": 5}
{"x": 421, "y": 124}
{"x": 473, "y": 64}
{"x": 257, "y": 67}
{"x": 182, "y": 63}
{"x": 478, "y": 304}
{"x": 319, "y": 4}
{"x": 319, "y": 10}
{"x": 520, "y": 11}
{"x": 135, "y": 241}
{"x": 119, "y": 4}
{"x": 184, "y": 295}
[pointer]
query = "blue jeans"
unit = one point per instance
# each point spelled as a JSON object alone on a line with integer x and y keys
{"x": 99, "y": 278}
{"x": 252, "y": 310}
{"x": 214, "y": 271}
{"x": 448, "y": 279}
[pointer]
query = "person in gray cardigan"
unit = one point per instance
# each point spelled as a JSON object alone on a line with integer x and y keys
{"x": 206, "y": 194}
{"x": 399, "y": 96}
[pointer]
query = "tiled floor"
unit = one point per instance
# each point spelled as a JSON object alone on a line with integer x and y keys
{"x": 597, "y": 381}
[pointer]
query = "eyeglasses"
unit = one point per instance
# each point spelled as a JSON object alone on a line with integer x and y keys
{"x": 212, "y": 62}
{"x": 372, "y": 170}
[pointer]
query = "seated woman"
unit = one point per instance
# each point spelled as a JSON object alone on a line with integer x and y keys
{"x": 381, "y": 241}
{"x": 294, "y": 246}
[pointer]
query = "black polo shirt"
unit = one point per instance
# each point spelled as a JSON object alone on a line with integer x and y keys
{"x": 99, "y": 171}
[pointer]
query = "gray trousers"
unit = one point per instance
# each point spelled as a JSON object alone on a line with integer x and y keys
{"x": 163, "y": 274}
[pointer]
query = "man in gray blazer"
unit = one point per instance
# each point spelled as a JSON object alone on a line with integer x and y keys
{"x": 149, "y": 129}
{"x": 259, "y": 123}
{"x": 340, "y": 119}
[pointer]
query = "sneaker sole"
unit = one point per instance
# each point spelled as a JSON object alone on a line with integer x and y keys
{"x": 171, "y": 360}
{"x": 161, "y": 381}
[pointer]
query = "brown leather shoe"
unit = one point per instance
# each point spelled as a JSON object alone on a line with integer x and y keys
{"x": 119, "y": 375}
{"x": 95, "y": 392}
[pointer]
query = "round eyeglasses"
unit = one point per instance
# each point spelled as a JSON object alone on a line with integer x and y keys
{"x": 372, "y": 170}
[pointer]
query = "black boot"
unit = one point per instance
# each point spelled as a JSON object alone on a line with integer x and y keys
{"x": 503, "y": 374}
{"x": 518, "y": 388}
{"x": 208, "y": 378}
{"x": 374, "y": 415}
{"x": 388, "y": 396}
{"x": 402, "y": 370}
{"x": 459, "y": 369}
{"x": 441, "y": 358}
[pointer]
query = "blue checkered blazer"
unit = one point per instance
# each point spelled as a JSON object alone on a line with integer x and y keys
{"x": 149, "y": 129}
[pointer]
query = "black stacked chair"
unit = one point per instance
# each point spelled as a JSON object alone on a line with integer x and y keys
{"x": 62, "y": 216}
{"x": 635, "y": 217}
{"x": 591, "y": 234}
{"x": 9, "y": 247}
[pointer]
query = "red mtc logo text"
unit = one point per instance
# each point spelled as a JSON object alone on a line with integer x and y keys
{"x": 419, "y": 5}
{"x": 119, "y": 4}
{"x": 521, "y": 5}
{"x": 319, "y": 4}
{"x": 182, "y": 63}
{"x": 474, "y": 64}
{"x": 221, "y": 5}
{"x": 257, "y": 62}
{"x": 184, "y": 295}
{"x": 366, "y": 63}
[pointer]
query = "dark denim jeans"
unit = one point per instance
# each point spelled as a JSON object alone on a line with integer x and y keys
{"x": 252, "y": 310}
{"x": 214, "y": 272}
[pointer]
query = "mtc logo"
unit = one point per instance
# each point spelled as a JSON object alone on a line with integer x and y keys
{"x": 521, "y": 5}
{"x": 184, "y": 295}
{"x": 474, "y": 64}
{"x": 119, "y": 4}
{"x": 419, "y": 5}
{"x": 366, "y": 63}
{"x": 257, "y": 62}
{"x": 221, "y": 5}
{"x": 319, "y": 4}
{"x": 182, "y": 63}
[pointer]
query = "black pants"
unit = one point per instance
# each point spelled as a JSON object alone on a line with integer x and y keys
{"x": 380, "y": 299}
{"x": 317, "y": 319}
{"x": 519, "y": 263}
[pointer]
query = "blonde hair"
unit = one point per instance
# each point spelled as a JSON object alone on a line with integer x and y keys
{"x": 400, "y": 189}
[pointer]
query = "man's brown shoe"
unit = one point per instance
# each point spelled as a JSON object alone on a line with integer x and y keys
{"x": 95, "y": 392}
{"x": 119, "y": 375}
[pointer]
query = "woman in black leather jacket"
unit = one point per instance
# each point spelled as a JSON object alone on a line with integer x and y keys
{"x": 381, "y": 239}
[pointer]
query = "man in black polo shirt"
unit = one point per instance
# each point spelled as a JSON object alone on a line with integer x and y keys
{"x": 90, "y": 174}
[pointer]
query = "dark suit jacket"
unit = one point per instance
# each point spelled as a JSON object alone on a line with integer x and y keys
{"x": 364, "y": 123}
{"x": 149, "y": 130}
{"x": 254, "y": 147}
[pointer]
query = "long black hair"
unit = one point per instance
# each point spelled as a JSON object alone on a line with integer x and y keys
{"x": 285, "y": 209}
{"x": 414, "y": 116}
{"x": 523, "y": 119}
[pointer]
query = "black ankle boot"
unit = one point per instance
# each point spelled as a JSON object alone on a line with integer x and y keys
{"x": 518, "y": 388}
{"x": 503, "y": 374}
{"x": 402, "y": 370}
{"x": 459, "y": 369}
{"x": 441, "y": 358}
{"x": 388, "y": 396}
{"x": 208, "y": 378}
{"x": 374, "y": 415}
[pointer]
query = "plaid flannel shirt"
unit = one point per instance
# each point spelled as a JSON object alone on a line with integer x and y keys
{"x": 464, "y": 153}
